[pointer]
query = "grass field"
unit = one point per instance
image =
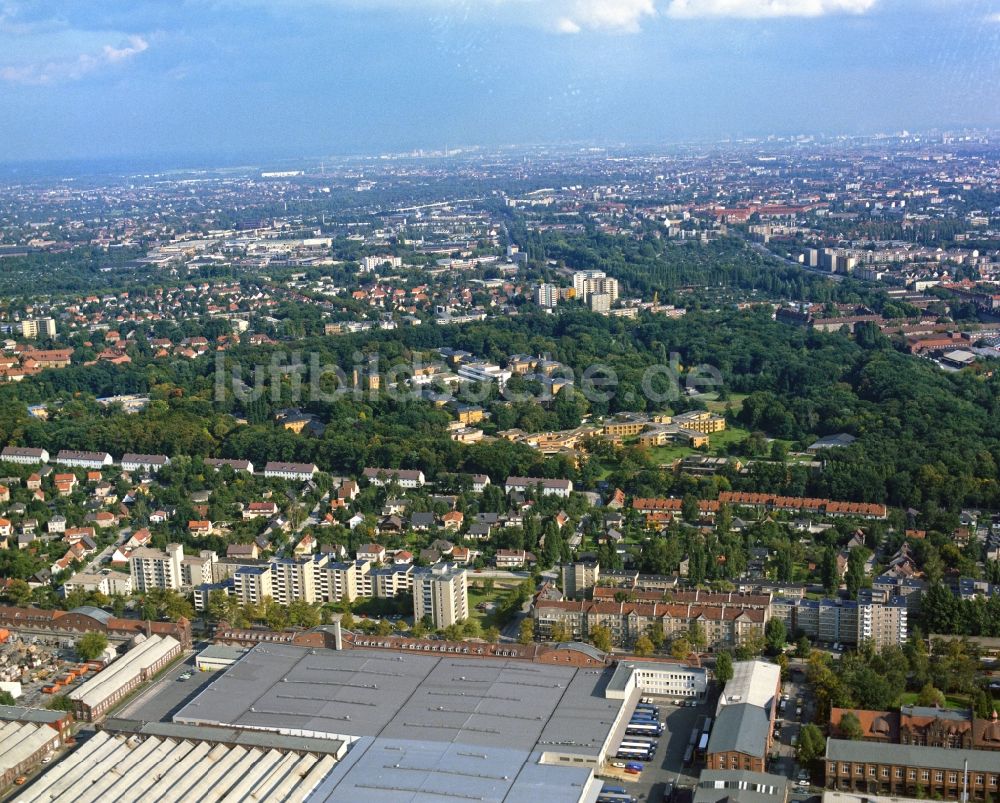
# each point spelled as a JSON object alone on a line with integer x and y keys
{"x": 476, "y": 596}
{"x": 956, "y": 701}
{"x": 735, "y": 401}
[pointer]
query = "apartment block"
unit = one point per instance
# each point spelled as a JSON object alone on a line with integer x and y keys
{"x": 170, "y": 569}
{"x": 725, "y": 626}
{"x": 293, "y": 579}
{"x": 578, "y": 579}
{"x": 336, "y": 581}
{"x": 251, "y": 584}
{"x": 440, "y": 592}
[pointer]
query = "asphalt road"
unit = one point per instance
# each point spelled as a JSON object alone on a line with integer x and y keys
{"x": 160, "y": 701}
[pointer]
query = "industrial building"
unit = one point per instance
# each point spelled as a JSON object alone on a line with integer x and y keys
{"x": 423, "y": 725}
{"x": 186, "y": 764}
{"x": 744, "y": 723}
{"x": 22, "y": 747}
{"x": 910, "y": 770}
{"x": 112, "y": 684}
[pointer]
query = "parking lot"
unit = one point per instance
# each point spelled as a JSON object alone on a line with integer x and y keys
{"x": 666, "y": 764}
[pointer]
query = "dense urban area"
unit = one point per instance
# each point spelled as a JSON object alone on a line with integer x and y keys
{"x": 556, "y": 475}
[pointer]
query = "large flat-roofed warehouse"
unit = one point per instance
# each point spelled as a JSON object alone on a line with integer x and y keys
{"x": 182, "y": 766}
{"x": 427, "y": 726}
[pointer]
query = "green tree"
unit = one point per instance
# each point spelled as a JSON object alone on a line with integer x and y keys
{"x": 775, "y": 635}
{"x": 60, "y": 702}
{"x": 812, "y": 744}
{"x": 527, "y": 632}
{"x": 492, "y": 635}
{"x": 680, "y": 648}
{"x": 723, "y": 667}
{"x": 643, "y": 646}
{"x": 6, "y": 698}
{"x": 803, "y": 647}
{"x": 696, "y": 636}
{"x": 850, "y": 726}
{"x": 18, "y": 592}
{"x": 930, "y": 696}
{"x": 690, "y": 509}
{"x": 91, "y": 645}
{"x": 600, "y": 637}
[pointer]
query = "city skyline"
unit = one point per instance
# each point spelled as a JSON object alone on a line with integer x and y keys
{"x": 243, "y": 79}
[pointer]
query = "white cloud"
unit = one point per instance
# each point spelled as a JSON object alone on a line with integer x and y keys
{"x": 72, "y": 68}
{"x": 135, "y": 46}
{"x": 766, "y": 8}
{"x": 615, "y": 15}
{"x": 993, "y": 17}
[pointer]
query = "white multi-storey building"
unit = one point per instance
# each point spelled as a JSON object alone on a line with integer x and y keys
{"x": 152, "y": 568}
{"x": 293, "y": 580}
{"x": 38, "y": 327}
{"x": 440, "y": 592}
{"x": 547, "y": 295}
{"x": 290, "y": 471}
{"x": 251, "y": 584}
{"x": 589, "y": 282}
{"x": 94, "y": 460}
{"x": 150, "y": 463}
{"x": 24, "y": 455}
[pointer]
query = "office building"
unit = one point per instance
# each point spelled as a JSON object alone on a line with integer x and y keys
{"x": 658, "y": 678}
{"x": 440, "y": 593}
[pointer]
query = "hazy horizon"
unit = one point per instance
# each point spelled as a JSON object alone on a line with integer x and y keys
{"x": 234, "y": 79}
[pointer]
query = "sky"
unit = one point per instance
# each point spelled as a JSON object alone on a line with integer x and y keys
{"x": 233, "y": 78}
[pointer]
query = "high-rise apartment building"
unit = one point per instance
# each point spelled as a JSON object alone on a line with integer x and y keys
{"x": 38, "y": 327}
{"x": 588, "y": 282}
{"x": 440, "y": 592}
{"x": 153, "y": 568}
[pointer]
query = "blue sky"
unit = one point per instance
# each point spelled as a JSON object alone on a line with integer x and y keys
{"x": 120, "y": 78}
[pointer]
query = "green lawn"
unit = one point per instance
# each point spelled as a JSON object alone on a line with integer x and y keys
{"x": 951, "y": 700}
{"x": 476, "y": 596}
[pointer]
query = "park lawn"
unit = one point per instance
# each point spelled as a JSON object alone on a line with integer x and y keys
{"x": 476, "y": 596}
{"x": 956, "y": 701}
{"x": 729, "y": 436}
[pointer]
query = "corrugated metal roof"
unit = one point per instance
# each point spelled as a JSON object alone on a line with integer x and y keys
{"x": 19, "y": 741}
{"x": 121, "y": 767}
